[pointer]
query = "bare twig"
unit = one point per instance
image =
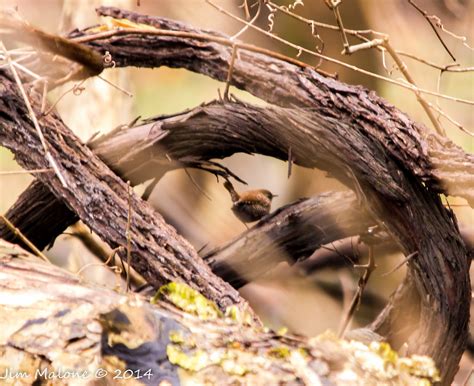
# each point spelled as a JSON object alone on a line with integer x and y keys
{"x": 196, "y": 185}
{"x": 23, "y": 238}
{"x": 245, "y": 28}
{"x": 33, "y": 118}
{"x": 369, "y": 268}
{"x": 452, "y": 67}
{"x": 428, "y": 19}
{"x": 403, "y": 69}
{"x": 362, "y": 46}
{"x": 76, "y": 89}
{"x": 401, "y": 65}
{"x": 230, "y": 72}
{"x": 450, "y": 119}
{"x": 149, "y": 189}
{"x": 34, "y": 171}
{"x": 401, "y": 264}
{"x": 245, "y": 6}
{"x": 84, "y": 235}
{"x": 290, "y": 162}
{"x": 334, "y": 6}
{"x": 463, "y": 39}
{"x": 128, "y": 234}
{"x": 127, "y": 93}
{"x": 360, "y": 35}
{"x": 329, "y": 59}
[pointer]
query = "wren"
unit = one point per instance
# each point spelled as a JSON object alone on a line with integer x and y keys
{"x": 251, "y": 205}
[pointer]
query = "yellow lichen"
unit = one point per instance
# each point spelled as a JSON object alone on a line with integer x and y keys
{"x": 235, "y": 314}
{"x": 195, "y": 361}
{"x": 420, "y": 366}
{"x": 385, "y": 352}
{"x": 176, "y": 337}
{"x": 281, "y": 352}
{"x": 188, "y": 299}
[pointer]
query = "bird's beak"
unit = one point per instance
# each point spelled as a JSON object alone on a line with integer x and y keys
{"x": 274, "y": 195}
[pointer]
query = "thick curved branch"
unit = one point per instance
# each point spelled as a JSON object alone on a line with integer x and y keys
{"x": 287, "y": 85}
{"x": 364, "y": 142}
{"x": 100, "y": 198}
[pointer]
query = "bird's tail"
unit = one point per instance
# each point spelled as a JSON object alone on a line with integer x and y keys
{"x": 230, "y": 188}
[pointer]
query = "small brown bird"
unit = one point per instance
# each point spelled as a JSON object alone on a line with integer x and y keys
{"x": 251, "y": 205}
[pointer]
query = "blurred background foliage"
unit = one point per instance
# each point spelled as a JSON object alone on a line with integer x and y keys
{"x": 306, "y": 305}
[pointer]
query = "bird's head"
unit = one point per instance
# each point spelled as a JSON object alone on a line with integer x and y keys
{"x": 268, "y": 194}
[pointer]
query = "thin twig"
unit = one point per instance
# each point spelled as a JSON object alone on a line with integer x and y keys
{"x": 245, "y": 28}
{"x": 401, "y": 264}
{"x": 369, "y": 268}
{"x": 455, "y": 123}
{"x": 463, "y": 39}
{"x": 428, "y": 19}
{"x": 253, "y": 48}
{"x": 44, "y": 96}
{"x": 230, "y": 72}
{"x": 149, "y": 189}
{"x": 359, "y": 34}
{"x": 403, "y": 69}
{"x": 128, "y": 234}
{"x": 337, "y": 15}
{"x": 33, "y": 118}
{"x": 199, "y": 189}
{"x": 245, "y": 6}
{"x": 363, "y": 46}
{"x": 23, "y": 238}
{"x": 32, "y": 171}
{"x": 401, "y": 65}
{"x": 127, "y": 93}
{"x": 104, "y": 264}
{"x": 290, "y": 162}
{"x": 76, "y": 89}
{"x": 452, "y": 67}
{"x": 327, "y": 58}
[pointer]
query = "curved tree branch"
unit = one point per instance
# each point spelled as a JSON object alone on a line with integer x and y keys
{"x": 364, "y": 142}
{"x": 101, "y": 199}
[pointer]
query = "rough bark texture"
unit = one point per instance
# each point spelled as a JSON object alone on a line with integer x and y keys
{"x": 287, "y": 85}
{"x": 97, "y": 335}
{"x": 361, "y": 140}
{"x": 378, "y": 138}
{"x": 101, "y": 199}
